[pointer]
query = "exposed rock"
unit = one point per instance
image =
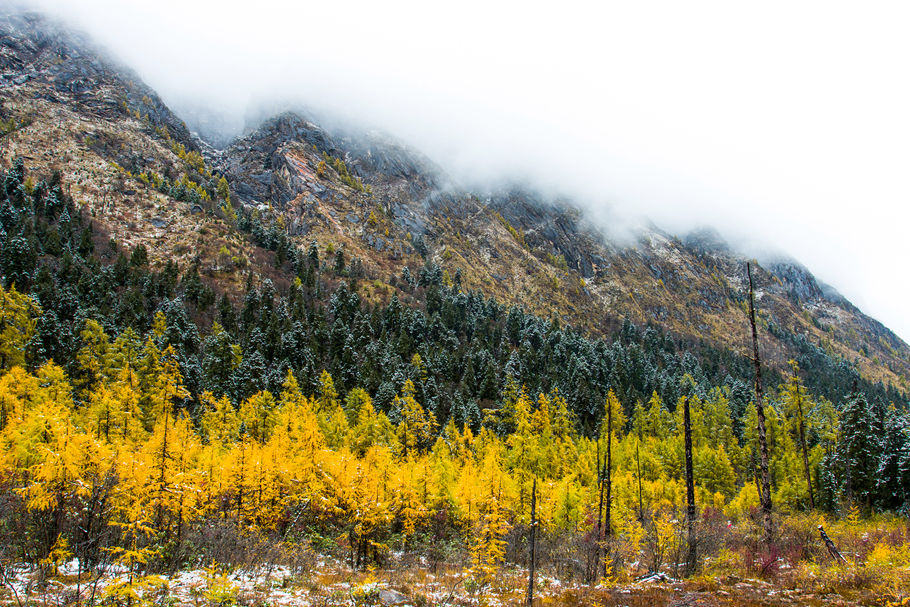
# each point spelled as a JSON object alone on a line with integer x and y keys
{"x": 392, "y": 597}
{"x": 375, "y": 242}
{"x": 706, "y": 240}
{"x": 656, "y": 578}
{"x": 694, "y": 599}
{"x": 800, "y": 284}
{"x": 36, "y": 48}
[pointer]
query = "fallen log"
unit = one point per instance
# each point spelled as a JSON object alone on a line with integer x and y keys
{"x": 832, "y": 549}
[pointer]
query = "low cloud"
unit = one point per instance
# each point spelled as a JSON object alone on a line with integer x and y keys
{"x": 784, "y": 123}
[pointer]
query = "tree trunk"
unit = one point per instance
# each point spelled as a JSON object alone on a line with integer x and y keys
{"x": 641, "y": 511}
{"x": 608, "y": 479}
{"x": 832, "y": 549}
{"x": 765, "y": 494}
{"x": 690, "y": 490}
{"x": 802, "y": 442}
{"x": 533, "y": 543}
{"x": 600, "y": 512}
{"x": 159, "y": 516}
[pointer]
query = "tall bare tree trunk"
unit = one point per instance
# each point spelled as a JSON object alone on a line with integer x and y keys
{"x": 533, "y": 544}
{"x": 690, "y": 490}
{"x": 641, "y": 510}
{"x": 600, "y": 513}
{"x": 765, "y": 494}
{"x": 608, "y": 478}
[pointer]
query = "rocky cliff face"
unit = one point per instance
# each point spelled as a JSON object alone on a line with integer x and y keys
{"x": 63, "y": 67}
{"x": 389, "y": 207}
{"x": 544, "y": 254}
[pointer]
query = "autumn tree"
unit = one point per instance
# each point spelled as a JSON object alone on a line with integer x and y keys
{"x": 415, "y": 431}
{"x": 18, "y": 316}
{"x": 797, "y": 405}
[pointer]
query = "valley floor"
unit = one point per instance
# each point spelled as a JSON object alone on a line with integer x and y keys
{"x": 329, "y": 584}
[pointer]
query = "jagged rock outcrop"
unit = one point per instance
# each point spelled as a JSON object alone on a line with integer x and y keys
{"x": 66, "y": 68}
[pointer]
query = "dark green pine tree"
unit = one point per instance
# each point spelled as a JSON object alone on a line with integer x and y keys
{"x": 250, "y": 376}
{"x": 220, "y": 358}
{"x": 17, "y": 261}
{"x": 408, "y": 278}
{"x": 339, "y": 262}
{"x": 858, "y": 448}
{"x": 313, "y": 254}
{"x": 893, "y": 476}
{"x": 430, "y": 274}
{"x": 904, "y": 467}
{"x": 227, "y": 314}
{"x": 514, "y": 324}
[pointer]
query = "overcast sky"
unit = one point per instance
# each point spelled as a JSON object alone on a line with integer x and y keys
{"x": 789, "y": 121}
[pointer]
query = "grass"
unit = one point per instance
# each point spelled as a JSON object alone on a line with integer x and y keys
{"x": 726, "y": 579}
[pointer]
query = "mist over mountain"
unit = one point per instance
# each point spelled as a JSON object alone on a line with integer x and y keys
{"x": 773, "y": 125}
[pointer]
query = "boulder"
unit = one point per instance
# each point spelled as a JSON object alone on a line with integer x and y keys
{"x": 392, "y": 597}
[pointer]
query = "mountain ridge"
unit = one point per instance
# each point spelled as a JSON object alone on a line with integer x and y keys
{"x": 391, "y": 208}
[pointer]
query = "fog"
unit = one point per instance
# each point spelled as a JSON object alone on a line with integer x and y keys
{"x": 781, "y": 124}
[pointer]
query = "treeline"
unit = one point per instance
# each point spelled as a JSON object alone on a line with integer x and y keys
{"x": 467, "y": 343}
{"x": 138, "y": 406}
{"x": 114, "y": 463}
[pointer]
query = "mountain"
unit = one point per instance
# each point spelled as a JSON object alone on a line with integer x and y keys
{"x": 542, "y": 254}
{"x": 245, "y": 212}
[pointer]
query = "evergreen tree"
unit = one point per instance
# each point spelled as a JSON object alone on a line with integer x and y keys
{"x": 892, "y": 486}
{"x": 858, "y": 450}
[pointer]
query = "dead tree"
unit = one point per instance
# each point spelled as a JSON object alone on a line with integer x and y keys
{"x": 600, "y": 511}
{"x": 608, "y": 477}
{"x": 641, "y": 512}
{"x": 765, "y": 493}
{"x": 603, "y": 509}
{"x": 690, "y": 490}
{"x": 533, "y": 544}
{"x": 832, "y": 549}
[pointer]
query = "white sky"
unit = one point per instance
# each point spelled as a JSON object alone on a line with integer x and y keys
{"x": 789, "y": 121}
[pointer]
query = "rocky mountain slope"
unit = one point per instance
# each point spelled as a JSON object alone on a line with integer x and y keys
{"x": 546, "y": 255}
{"x": 147, "y": 180}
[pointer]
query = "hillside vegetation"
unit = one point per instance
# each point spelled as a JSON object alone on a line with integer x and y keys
{"x": 316, "y": 424}
{"x": 306, "y": 369}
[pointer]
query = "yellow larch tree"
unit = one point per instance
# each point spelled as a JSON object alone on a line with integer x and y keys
{"x": 257, "y": 416}
{"x": 417, "y": 427}
{"x": 19, "y": 390}
{"x": 488, "y": 541}
{"x": 332, "y": 419}
{"x": 219, "y": 422}
{"x": 93, "y": 358}
{"x": 18, "y": 317}
{"x": 371, "y": 428}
